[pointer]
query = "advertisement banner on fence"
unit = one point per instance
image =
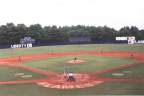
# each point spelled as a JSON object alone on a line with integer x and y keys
{"x": 21, "y": 46}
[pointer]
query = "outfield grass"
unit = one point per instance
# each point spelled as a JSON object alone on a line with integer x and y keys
{"x": 135, "y": 72}
{"x": 92, "y": 63}
{"x": 8, "y": 74}
{"x": 70, "y": 48}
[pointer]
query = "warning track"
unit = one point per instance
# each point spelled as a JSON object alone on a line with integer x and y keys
{"x": 55, "y": 80}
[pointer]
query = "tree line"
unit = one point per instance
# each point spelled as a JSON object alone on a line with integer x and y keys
{"x": 11, "y": 34}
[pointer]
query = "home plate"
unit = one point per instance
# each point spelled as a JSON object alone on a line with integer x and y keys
{"x": 82, "y": 81}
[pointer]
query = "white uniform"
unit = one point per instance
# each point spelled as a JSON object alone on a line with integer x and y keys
{"x": 71, "y": 77}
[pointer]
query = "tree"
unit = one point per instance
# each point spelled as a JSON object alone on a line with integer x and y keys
{"x": 125, "y": 31}
{"x": 35, "y": 31}
{"x": 10, "y": 33}
{"x": 134, "y": 31}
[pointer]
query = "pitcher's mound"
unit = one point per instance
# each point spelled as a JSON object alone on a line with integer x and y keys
{"x": 76, "y": 61}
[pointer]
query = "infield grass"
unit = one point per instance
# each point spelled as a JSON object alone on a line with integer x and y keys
{"x": 92, "y": 63}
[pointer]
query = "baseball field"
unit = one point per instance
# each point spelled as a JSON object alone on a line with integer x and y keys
{"x": 98, "y": 69}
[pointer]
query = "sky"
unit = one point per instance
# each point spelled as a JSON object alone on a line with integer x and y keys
{"x": 111, "y": 13}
